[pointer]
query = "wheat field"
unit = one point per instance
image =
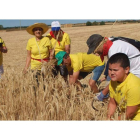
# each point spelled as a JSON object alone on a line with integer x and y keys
{"x": 20, "y": 99}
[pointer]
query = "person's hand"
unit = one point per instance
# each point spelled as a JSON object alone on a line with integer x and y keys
{"x": 24, "y": 71}
{"x": 100, "y": 96}
{"x": 51, "y": 57}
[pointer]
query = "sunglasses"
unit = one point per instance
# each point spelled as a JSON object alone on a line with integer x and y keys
{"x": 36, "y": 29}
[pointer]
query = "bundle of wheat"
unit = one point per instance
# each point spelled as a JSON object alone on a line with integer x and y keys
{"x": 22, "y": 98}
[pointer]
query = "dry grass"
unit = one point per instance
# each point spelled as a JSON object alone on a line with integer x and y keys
{"x": 20, "y": 101}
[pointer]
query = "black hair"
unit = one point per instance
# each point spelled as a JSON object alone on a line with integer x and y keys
{"x": 120, "y": 58}
{"x": 66, "y": 55}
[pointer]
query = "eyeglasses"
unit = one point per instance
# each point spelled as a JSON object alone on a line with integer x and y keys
{"x": 36, "y": 29}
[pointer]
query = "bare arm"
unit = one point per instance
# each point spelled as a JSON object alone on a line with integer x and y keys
{"x": 131, "y": 111}
{"x": 28, "y": 61}
{"x": 73, "y": 78}
{"x": 111, "y": 108}
{"x": 51, "y": 54}
{"x": 67, "y": 48}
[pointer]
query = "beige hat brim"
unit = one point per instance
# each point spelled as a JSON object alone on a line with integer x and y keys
{"x": 41, "y": 25}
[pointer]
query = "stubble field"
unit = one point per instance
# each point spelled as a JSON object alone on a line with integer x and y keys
{"x": 19, "y": 100}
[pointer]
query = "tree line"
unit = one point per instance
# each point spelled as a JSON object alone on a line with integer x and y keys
{"x": 16, "y": 27}
{"x": 88, "y": 23}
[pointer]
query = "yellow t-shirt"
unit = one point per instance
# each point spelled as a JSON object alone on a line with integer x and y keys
{"x": 44, "y": 46}
{"x": 127, "y": 93}
{"x": 1, "y": 56}
{"x": 60, "y": 46}
{"x": 84, "y": 62}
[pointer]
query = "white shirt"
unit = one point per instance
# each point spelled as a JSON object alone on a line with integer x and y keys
{"x": 130, "y": 51}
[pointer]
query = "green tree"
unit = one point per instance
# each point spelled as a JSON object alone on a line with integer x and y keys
{"x": 102, "y": 23}
{"x": 1, "y": 27}
{"x": 88, "y": 23}
{"x": 95, "y": 23}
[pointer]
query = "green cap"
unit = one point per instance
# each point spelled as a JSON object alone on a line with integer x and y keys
{"x": 59, "y": 56}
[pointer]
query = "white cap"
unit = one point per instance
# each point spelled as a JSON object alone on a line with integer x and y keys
{"x": 55, "y": 24}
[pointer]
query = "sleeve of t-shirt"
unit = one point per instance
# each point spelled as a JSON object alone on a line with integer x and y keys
{"x": 67, "y": 40}
{"x": 28, "y": 46}
{"x": 115, "y": 48}
{"x": 110, "y": 90}
{"x": 77, "y": 66}
{"x": 133, "y": 96}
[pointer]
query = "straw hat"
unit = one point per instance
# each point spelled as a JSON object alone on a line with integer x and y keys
{"x": 41, "y": 25}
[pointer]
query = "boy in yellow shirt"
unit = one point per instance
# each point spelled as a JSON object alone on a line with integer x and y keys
{"x": 80, "y": 65}
{"x": 124, "y": 88}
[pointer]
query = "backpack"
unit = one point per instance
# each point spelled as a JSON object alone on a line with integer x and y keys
{"x": 133, "y": 42}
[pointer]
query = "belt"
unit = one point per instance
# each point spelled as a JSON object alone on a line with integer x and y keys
{"x": 45, "y": 59}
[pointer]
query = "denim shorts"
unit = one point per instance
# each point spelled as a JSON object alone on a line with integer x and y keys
{"x": 1, "y": 70}
{"x": 96, "y": 73}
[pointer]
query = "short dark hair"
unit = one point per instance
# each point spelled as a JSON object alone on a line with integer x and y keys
{"x": 120, "y": 58}
{"x": 66, "y": 55}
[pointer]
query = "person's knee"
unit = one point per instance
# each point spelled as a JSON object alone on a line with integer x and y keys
{"x": 92, "y": 83}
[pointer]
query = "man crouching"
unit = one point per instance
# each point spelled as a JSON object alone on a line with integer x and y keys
{"x": 124, "y": 88}
{"x": 80, "y": 65}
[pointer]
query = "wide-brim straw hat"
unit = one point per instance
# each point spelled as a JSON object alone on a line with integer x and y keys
{"x": 40, "y": 25}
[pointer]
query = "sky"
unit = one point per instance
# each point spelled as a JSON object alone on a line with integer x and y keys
{"x": 24, "y": 22}
{"x": 32, "y": 11}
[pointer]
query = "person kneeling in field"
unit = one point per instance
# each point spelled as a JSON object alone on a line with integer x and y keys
{"x": 108, "y": 46}
{"x": 80, "y": 65}
{"x": 124, "y": 88}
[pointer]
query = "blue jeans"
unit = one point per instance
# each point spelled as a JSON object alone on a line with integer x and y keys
{"x": 96, "y": 73}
